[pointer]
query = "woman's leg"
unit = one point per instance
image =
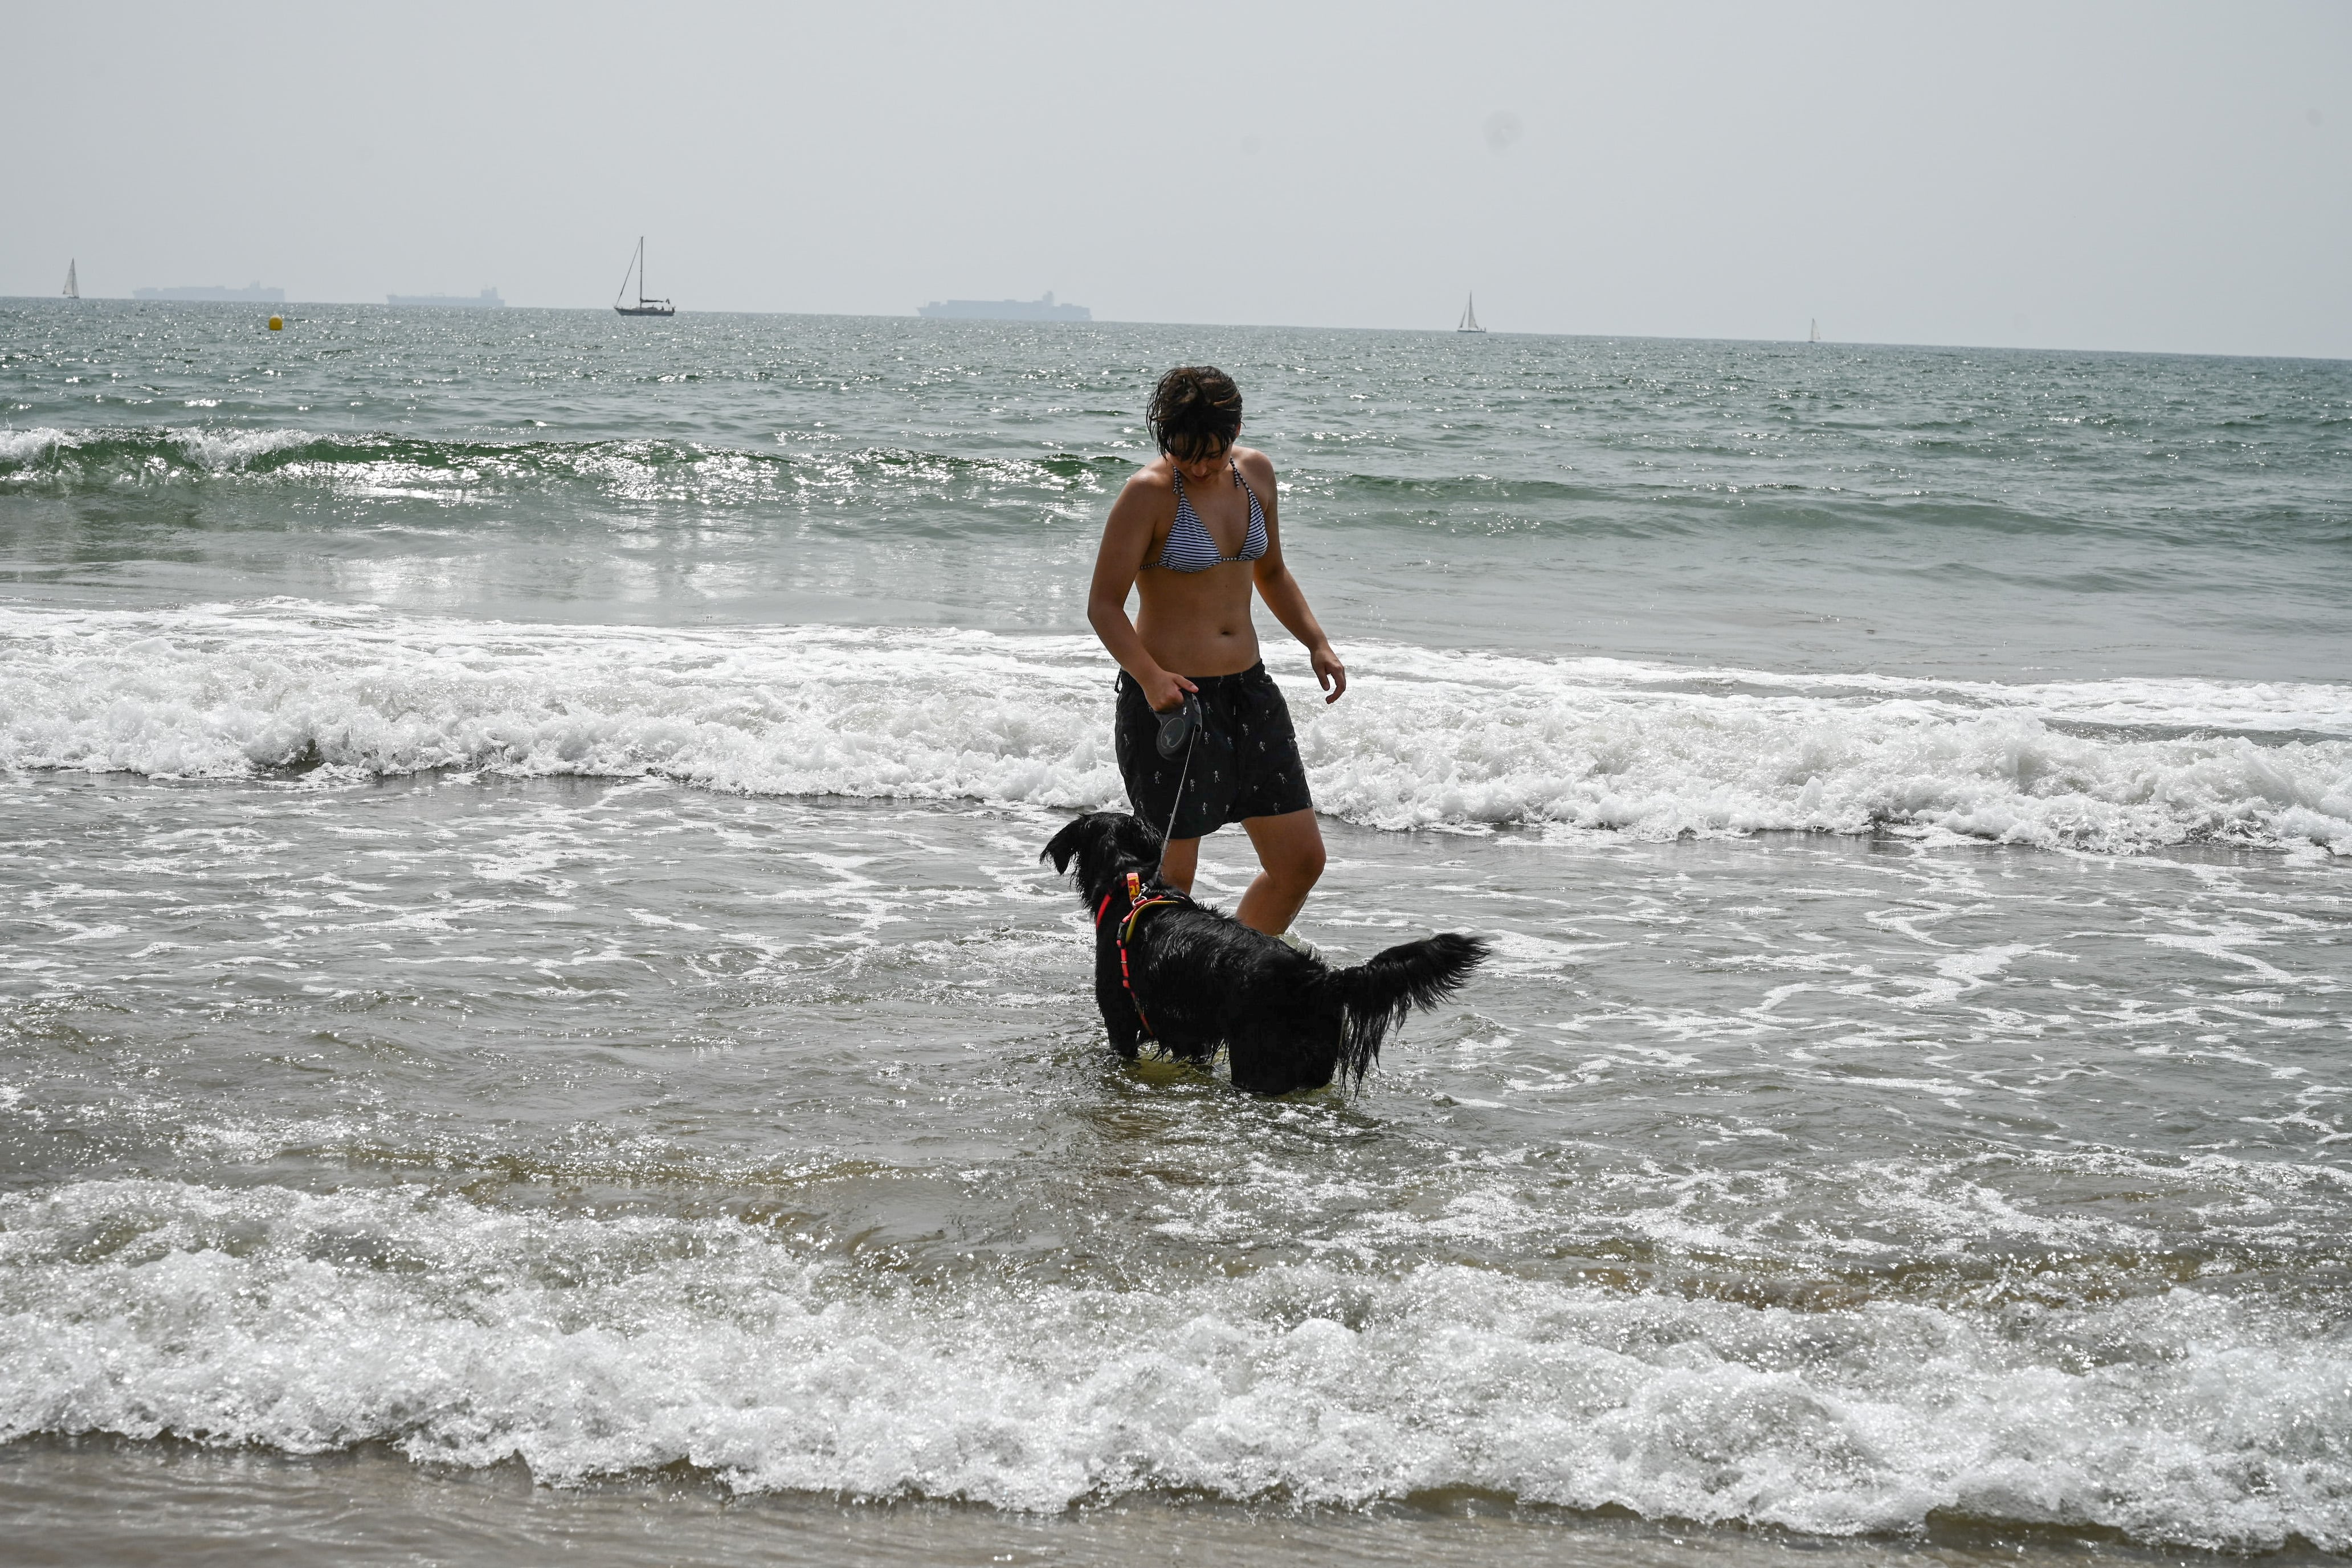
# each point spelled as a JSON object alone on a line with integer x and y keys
{"x": 1178, "y": 865}
{"x": 1290, "y": 848}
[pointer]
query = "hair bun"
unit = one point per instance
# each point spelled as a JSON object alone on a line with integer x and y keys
{"x": 1195, "y": 413}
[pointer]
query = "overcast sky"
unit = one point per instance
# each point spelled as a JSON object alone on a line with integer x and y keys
{"x": 2119, "y": 176}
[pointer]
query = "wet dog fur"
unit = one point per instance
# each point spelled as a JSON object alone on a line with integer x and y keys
{"x": 1288, "y": 1021}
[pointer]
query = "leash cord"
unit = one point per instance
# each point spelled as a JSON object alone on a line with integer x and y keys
{"x": 1189, "y": 743}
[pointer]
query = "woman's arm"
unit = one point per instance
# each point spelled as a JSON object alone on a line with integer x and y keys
{"x": 1281, "y": 591}
{"x": 1127, "y": 536}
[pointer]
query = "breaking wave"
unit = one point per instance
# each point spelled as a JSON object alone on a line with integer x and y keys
{"x": 592, "y": 1346}
{"x": 1427, "y": 739}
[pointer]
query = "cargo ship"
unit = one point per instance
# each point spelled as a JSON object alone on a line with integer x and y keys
{"x": 1041, "y": 309}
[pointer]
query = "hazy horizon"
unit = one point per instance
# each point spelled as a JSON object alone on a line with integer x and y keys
{"x": 1826, "y": 340}
{"x": 2107, "y": 177}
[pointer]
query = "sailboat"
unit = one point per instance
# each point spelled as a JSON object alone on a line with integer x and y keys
{"x": 1470, "y": 317}
{"x": 1816, "y": 330}
{"x": 644, "y": 306}
{"x": 73, "y": 284}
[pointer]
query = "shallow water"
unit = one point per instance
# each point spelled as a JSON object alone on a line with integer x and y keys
{"x": 626, "y": 1125}
{"x": 513, "y": 959}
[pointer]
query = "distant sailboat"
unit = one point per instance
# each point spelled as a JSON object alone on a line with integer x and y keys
{"x": 644, "y": 306}
{"x": 73, "y": 284}
{"x": 1816, "y": 330}
{"x": 1470, "y": 317}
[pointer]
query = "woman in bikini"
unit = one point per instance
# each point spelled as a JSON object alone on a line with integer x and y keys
{"x": 1192, "y": 532}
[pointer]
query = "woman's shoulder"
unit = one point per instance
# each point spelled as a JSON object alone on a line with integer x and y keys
{"x": 1153, "y": 484}
{"x": 1254, "y": 465}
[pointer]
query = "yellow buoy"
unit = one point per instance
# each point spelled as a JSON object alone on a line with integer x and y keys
{"x": 277, "y": 323}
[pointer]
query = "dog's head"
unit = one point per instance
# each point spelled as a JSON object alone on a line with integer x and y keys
{"x": 1107, "y": 845}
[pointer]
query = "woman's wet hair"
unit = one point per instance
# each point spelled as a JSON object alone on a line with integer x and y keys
{"x": 1196, "y": 412}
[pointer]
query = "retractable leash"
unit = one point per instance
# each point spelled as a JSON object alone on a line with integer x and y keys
{"x": 1186, "y": 722}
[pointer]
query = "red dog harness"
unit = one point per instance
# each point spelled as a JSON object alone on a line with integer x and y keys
{"x": 1136, "y": 904}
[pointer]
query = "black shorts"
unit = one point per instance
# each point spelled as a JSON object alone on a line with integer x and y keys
{"x": 1246, "y": 763}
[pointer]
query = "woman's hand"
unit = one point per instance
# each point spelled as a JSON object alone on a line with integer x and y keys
{"x": 1164, "y": 691}
{"x": 1330, "y": 673}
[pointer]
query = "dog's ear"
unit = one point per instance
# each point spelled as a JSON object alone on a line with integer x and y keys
{"x": 1139, "y": 838}
{"x": 1069, "y": 842}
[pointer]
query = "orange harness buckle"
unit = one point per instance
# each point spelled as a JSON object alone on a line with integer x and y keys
{"x": 1136, "y": 904}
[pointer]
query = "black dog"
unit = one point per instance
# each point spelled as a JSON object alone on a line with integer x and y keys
{"x": 1193, "y": 979}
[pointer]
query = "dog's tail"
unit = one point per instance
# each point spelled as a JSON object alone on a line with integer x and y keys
{"x": 1375, "y": 996}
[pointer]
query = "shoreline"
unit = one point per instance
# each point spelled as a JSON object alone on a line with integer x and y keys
{"x": 87, "y": 1500}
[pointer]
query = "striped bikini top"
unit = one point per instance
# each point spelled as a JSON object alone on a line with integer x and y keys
{"x": 1189, "y": 547}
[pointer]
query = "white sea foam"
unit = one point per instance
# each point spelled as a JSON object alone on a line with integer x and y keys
{"x": 26, "y": 446}
{"x": 226, "y": 451}
{"x": 218, "y": 450}
{"x": 1428, "y": 738}
{"x": 591, "y": 1346}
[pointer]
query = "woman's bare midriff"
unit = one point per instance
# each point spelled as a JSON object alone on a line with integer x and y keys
{"x": 1198, "y": 623}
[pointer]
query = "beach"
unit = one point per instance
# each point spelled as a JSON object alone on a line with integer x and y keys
{"x": 532, "y": 1016}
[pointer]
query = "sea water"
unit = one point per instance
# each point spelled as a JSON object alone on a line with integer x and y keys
{"x": 530, "y": 1018}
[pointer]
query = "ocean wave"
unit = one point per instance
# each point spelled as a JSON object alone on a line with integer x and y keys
{"x": 114, "y": 456}
{"x": 1426, "y": 739}
{"x": 896, "y": 485}
{"x": 596, "y": 1346}
{"x": 105, "y": 457}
